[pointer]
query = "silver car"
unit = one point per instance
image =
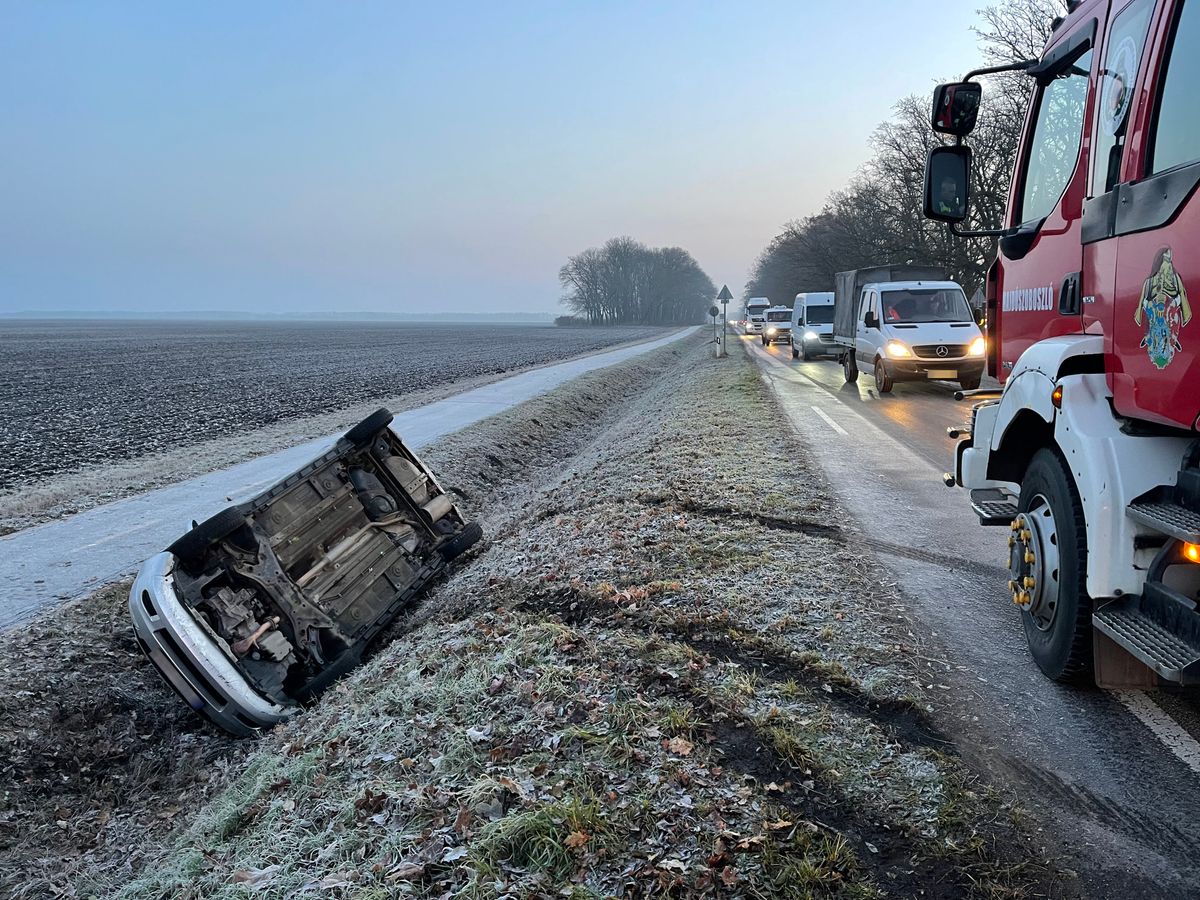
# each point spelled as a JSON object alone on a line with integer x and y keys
{"x": 258, "y": 609}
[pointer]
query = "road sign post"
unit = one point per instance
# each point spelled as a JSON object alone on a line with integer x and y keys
{"x": 724, "y": 297}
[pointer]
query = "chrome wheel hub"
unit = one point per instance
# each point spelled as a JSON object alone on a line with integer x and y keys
{"x": 1033, "y": 563}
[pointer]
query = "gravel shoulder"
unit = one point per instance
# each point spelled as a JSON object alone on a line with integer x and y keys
{"x": 652, "y": 678}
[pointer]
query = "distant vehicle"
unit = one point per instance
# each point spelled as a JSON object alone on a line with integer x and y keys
{"x": 812, "y": 326}
{"x": 264, "y": 605}
{"x": 908, "y": 325}
{"x": 777, "y": 325}
{"x": 756, "y": 309}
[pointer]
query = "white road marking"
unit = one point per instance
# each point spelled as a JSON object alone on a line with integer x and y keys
{"x": 1173, "y": 736}
{"x": 828, "y": 421}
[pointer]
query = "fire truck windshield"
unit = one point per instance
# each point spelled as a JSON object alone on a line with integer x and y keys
{"x": 933, "y": 305}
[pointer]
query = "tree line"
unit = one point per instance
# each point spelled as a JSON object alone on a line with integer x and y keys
{"x": 878, "y": 217}
{"x": 624, "y": 282}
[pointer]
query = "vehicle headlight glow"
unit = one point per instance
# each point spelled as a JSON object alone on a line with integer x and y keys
{"x": 772, "y": 330}
{"x": 810, "y": 335}
{"x": 978, "y": 347}
{"x": 897, "y": 350}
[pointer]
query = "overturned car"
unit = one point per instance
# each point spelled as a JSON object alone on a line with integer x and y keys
{"x": 256, "y": 610}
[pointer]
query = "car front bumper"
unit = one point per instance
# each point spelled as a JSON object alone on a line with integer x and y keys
{"x": 921, "y": 369}
{"x": 188, "y": 657}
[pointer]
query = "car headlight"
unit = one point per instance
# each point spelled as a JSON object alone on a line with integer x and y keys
{"x": 978, "y": 347}
{"x": 810, "y": 335}
{"x": 897, "y": 350}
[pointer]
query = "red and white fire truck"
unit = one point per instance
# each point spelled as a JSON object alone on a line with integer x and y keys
{"x": 1090, "y": 454}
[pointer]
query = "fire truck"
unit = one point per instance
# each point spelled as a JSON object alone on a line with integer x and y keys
{"x": 1090, "y": 453}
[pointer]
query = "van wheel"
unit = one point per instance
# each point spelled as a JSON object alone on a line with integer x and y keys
{"x": 883, "y": 381}
{"x": 1050, "y": 548}
{"x": 807, "y": 355}
{"x": 970, "y": 384}
{"x": 850, "y": 367}
{"x": 796, "y": 353}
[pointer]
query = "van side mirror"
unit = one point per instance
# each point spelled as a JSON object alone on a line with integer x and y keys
{"x": 956, "y": 107}
{"x": 871, "y": 320}
{"x": 948, "y": 183}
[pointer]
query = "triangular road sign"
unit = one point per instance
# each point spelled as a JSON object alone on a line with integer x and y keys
{"x": 724, "y": 296}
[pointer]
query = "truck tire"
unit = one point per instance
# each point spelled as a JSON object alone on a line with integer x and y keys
{"x": 1060, "y": 637}
{"x": 850, "y": 367}
{"x": 883, "y": 381}
{"x": 192, "y": 547}
{"x": 360, "y": 435}
{"x": 970, "y": 384}
{"x": 461, "y": 542}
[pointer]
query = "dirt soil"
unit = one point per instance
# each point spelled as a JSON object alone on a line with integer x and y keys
{"x": 656, "y": 677}
{"x": 139, "y": 405}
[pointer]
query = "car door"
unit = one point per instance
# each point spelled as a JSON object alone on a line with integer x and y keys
{"x": 865, "y": 345}
{"x": 1040, "y": 260}
{"x": 1154, "y": 350}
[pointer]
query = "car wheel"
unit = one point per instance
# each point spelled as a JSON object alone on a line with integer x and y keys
{"x": 970, "y": 384}
{"x": 883, "y": 381}
{"x": 850, "y": 367}
{"x": 1048, "y": 567}
{"x": 362, "y": 433}
{"x": 461, "y": 542}
{"x": 191, "y": 549}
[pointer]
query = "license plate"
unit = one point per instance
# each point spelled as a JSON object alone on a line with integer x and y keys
{"x": 944, "y": 374}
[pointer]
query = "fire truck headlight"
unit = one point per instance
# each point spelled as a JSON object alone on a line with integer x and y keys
{"x": 978, "y": 347}
{"x": 897, "y": 350}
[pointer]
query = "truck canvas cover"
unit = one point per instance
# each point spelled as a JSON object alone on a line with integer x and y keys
{"x": 848, "y": 286}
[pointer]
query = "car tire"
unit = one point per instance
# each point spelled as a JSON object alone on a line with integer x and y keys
{"x": 361, "y": 434}
{"x": 461, "y": 542}
{"x": 191, "y": 548}
{"x": 850, "y": 367}
{"x": 970, "y": 384}
{"x": 883, "y": 381}
{"x": 1063, "y": 651}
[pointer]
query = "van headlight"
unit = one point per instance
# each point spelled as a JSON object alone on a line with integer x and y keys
{"x": 772, "y": 330}
{"x": 897, "y": 350}
{"x": 978, "y": 347}
{"x": 811, "y": 336}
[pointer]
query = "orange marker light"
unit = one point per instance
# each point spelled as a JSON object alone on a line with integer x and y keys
{"x": 1056, "y": 397}
{"x": 1191, "y": 552}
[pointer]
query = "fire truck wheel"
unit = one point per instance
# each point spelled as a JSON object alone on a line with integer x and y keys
{"x": 883, "y": 381}
{"x": 850, "y": 367}
{"x": 1048, "y": 567}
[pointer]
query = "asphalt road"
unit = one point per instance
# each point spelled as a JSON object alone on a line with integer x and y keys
{"x": 1117, "y": 775}
{"x": 70, "y": 558}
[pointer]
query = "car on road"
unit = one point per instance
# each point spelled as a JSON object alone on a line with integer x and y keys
{"x": 812, "y": 326}
{"x": 777, "y": 325}
{"x": 256, "y": 610}
{"x": 907, "y": 324}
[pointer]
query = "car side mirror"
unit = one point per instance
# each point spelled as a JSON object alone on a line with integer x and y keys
{"x": 871, "y": 320}
{"x": 948, "y": 183}
{"x": 956, "y": 107}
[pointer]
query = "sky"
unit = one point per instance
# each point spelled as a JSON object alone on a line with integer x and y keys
{"x": 426, "y": 157}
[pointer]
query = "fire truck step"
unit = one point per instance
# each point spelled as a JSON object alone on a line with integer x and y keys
{"x": 1173, "y": 657}
{"x": 1169, "y": 518}
{"x": 994, "y": 507}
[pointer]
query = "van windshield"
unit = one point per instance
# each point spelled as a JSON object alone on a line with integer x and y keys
{"x": 779, "y": 316}
{"x": 819, "y": 315}
{"x": 921, "y": 305}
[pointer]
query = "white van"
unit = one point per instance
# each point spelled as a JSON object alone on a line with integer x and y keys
{"x": 756, "y": 314}
{"x": 777, "y": 325}
{"x": 812, "y": 326}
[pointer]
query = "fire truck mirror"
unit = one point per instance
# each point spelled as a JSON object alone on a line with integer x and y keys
{"x": 955, "y": 107}
{"x": 948, "y": 183}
